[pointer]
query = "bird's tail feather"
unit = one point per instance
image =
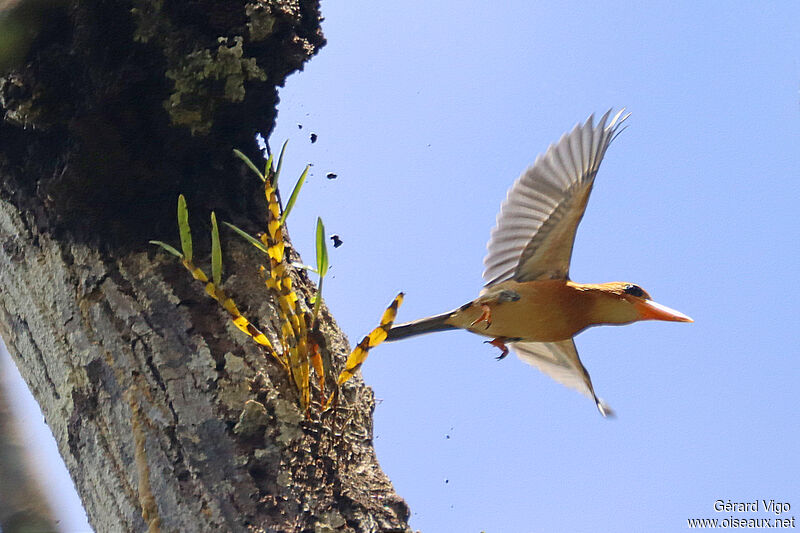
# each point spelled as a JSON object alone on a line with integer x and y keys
{"x": 420, "y": 327}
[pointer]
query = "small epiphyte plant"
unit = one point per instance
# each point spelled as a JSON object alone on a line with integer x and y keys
{"x": 298, "y": 351}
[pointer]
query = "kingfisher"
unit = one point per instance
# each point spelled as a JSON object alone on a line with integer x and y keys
{"x": 528, "y": 303}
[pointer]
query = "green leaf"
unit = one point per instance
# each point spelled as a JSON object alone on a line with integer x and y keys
{"x": 304, "y": 267}
{"x": 216, "y": 252}
{"x": 317, "y": 303}
{"x": 249, "y": 238}
{"x": 322, "y": 249}
{"x": 168, "y": 248}
{"x": 249, "y": 163}
{"x": 293, "y": 197}
{"x": 280, "y": 164}
{"x": 322, "y": 267}
{"x": 183, "y": 228}
{"x": 268, "y": 170}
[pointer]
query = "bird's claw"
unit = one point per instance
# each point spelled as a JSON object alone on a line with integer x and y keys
{"x": 486, "y": 316}
{"x": 499, "y": 343}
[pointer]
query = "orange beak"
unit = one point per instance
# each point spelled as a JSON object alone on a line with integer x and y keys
{"x": 649, "y": 310}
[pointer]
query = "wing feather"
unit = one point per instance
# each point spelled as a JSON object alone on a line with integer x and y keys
{"x": 560, "y": 361}
{"x": 536, "y": 226}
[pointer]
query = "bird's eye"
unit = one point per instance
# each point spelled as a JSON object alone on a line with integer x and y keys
{"x": 634, "y": 290}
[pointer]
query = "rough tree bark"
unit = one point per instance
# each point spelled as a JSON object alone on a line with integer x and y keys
{"x": 167, "y": 417}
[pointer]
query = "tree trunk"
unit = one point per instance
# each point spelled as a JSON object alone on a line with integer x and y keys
{"x": 167, "y": 417}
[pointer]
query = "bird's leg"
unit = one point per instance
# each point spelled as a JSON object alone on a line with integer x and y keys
{"x": 486, "y": 316}
{"x": 499, "y": 342}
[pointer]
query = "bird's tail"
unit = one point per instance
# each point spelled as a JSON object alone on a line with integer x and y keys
{"x": 420, "y": 327}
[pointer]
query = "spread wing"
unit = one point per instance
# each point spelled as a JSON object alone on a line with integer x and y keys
{"x": 535, "y": 229}
{"x": 560, "y": 361}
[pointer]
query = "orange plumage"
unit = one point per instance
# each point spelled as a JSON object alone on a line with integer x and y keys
{"x": 529, "y": 302}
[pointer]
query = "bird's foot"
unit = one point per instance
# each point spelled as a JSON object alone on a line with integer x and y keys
{"x": 486, "y": 316}
{"x": 499, "y": 342}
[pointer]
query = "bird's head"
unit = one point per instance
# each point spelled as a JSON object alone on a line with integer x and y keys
{"x": 622, "y": 303}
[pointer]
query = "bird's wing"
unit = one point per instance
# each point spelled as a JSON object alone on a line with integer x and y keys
{"x": 535, "y": 228}
{"x": 560, "y": 361}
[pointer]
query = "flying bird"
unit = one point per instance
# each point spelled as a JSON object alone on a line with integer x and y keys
{"x": 529, "y": 304}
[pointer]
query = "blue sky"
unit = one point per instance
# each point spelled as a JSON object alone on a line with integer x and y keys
{"x": 427, "y": 112}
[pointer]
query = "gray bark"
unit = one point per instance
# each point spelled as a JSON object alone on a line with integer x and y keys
{"x": 168, "y": 418}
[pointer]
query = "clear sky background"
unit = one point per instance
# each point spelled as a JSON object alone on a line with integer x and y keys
{"x": 428, "y": 111}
